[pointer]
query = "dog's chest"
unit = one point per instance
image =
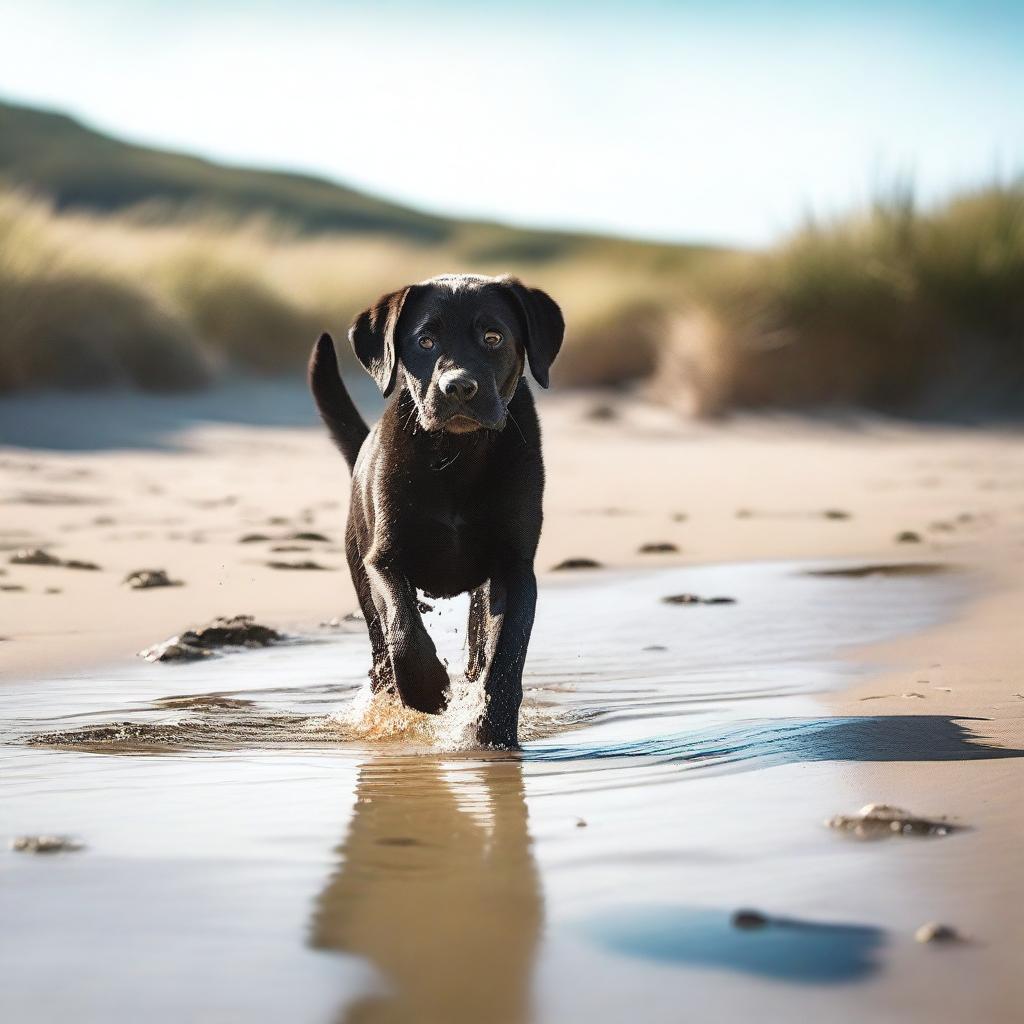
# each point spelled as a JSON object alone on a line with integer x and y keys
{"x": 447, "y": 550}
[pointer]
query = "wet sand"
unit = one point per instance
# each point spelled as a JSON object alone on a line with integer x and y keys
{"x": 261, "y": 843}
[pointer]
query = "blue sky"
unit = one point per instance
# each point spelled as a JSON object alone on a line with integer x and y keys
{"x": 725, "y": 122}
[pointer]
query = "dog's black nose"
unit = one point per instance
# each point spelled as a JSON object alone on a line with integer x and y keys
{"x": 457, "y": 384}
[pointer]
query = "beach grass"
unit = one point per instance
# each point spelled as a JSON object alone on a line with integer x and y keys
{"x": 898, "y": 308}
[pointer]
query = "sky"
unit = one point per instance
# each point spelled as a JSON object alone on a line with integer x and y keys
{"x": 725, "y": 122}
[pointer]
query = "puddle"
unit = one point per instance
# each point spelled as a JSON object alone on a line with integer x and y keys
{"x": 784, "y": 948}
{"x": 300, "y": 850}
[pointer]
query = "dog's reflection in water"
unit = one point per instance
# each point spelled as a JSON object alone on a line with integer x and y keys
{"x": 437, "y": 888}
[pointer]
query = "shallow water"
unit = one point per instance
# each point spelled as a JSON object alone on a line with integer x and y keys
{"x": 266, "y": 843}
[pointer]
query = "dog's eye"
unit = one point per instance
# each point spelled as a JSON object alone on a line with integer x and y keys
{"x": 426, "y": 342}
{"x": 492, "y": 339}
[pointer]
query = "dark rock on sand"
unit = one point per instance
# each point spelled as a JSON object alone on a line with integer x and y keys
{"x": 908, "y": 537}
{"x": 203, "y": 702}
{"x": 223, "y": 632}
{"x": 45, "y": 844}
{"x": 34, "y": 556}
{"x": 749, "y": 919}
{"x": 657, "y": 548}
{"x": 881, "y": 569}
{"x": 254, "y": 538}
{"x": 146, "y": 579}
{"x": 309, "y": 535}
{"x": 602, "y": 413}
{"x": 37, "y": 556}
{"x": 11, "y": 586}
{"x": 576, "y": 563}
{"x": 879, "y": 821}
{"x": 695, "y": 599}
{"x": 306, "y": 565}
{"x": 835, "y": 513}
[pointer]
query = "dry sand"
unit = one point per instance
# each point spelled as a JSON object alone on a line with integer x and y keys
{"x": 756, "y": 489}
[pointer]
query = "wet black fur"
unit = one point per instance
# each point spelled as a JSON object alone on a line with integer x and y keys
{"x": 447, "y": 488}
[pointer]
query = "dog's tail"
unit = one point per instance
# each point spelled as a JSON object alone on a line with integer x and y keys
{"x": 340, "y": 416}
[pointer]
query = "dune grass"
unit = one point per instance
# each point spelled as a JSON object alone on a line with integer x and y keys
{"x": 66, "y": 323}
{"x": 899, "y": 309}
{"x": 91, "y": 300}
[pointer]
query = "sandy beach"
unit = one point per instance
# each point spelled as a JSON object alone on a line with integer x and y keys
{"x": 195, "y": 493}
{"x": 929, "y": 657}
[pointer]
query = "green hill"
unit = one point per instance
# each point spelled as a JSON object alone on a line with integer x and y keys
{"x": 77, "y": 167}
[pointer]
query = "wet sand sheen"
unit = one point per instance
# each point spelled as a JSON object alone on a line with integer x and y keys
{"x": 658, "y": 791}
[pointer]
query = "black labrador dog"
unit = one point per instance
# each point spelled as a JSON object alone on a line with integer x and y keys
{"x": 447, "y": 487}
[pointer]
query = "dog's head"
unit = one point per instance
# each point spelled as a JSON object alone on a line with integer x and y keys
{"x": 460, "y": 343}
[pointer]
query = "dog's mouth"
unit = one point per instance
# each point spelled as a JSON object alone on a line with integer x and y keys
{"x": 461, "y": 423}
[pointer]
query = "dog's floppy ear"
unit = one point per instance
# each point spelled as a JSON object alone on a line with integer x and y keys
{"x": 545, "y": 327}
{"x": 373, "y": 339}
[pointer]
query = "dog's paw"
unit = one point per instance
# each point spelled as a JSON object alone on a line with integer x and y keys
{"x": 421, "y": 679}
{"x": 499, "y": 735}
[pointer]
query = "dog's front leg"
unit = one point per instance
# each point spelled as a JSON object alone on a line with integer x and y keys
{"x": 421, "y": 679}
{"x": 513, "y": 602}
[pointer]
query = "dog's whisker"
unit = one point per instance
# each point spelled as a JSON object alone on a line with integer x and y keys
{"x": 513, "y": 419}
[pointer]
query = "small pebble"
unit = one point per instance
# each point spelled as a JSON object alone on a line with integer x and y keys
{"x": 876, "y": 821}
{"x": 146, "y": 579}
{"x": 658, "y": 548}
{"x": 935, "y": 932}
{"x": 908, "y": 537}
{"x": 45, "y": 844}
{"x": 581, "y": 823}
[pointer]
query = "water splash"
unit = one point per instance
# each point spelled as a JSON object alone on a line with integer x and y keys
{"x": 382, "y": 716}
{"x": 212, "y": 722}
